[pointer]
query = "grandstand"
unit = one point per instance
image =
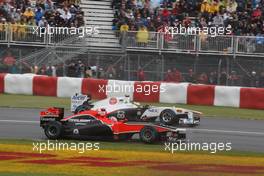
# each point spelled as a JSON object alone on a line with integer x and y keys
{"x": 133, "y": 38}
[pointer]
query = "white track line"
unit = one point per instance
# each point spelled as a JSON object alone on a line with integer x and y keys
{"x": 226, "y": 131}
{"x": 19, "y": 121}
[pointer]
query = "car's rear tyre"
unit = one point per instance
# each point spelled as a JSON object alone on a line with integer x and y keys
{"x": 53, "y": 130}
{"x": 82, "y": 108}
{"x": 148, "y": 134}
{"x": 168, "y": 117}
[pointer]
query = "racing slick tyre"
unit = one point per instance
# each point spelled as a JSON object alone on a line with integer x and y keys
{"x": 53, "y": 130}
{"x": 148, "y": 134}
{"x": 168, "y": 117}
{"x": 82, "y": 108}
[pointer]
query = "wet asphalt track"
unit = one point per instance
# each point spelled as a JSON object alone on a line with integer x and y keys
{"x": 245, "y": 135}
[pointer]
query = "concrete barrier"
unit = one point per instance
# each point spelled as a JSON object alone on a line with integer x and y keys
{"x": 145, "y": 91}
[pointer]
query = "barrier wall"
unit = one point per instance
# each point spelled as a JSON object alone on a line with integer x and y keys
{"x": 94, "y": 87}
{"x": 45, "y": 86}
{"x": 145, "y": 91}
{"x": 2, "y": 83}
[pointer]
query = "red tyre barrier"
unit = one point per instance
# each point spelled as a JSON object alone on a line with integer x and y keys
{"x": 146, "y": 91}
{"x": 2, "y": 83}
{"x": 45, "y": 86}
{"x": 200, "y": 95}
{"x": 95, "y": 87}
{"x": 252, "y": 98}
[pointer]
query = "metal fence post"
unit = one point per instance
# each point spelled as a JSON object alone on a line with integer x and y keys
{"x": 8, "y": 35}
{"x": 235, "y": 42}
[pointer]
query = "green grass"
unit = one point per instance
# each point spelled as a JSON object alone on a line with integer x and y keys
{"x": 25, "y": 101}
{"x": 29, "y": 174}
{"x": 135, "y": 146}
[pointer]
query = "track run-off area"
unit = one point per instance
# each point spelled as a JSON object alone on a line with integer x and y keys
{"x": 244, "y": 135}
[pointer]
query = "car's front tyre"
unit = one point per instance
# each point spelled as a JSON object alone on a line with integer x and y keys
{"x": 149, "y": 134}
{"x": 168, "y": 117}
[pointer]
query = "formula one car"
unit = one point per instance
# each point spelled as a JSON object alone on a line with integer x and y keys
{"x": 123, "y": 107}
{"x": 100, "y": 125}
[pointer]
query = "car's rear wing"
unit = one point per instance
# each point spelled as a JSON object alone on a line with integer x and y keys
{"x": 51, "y": 114}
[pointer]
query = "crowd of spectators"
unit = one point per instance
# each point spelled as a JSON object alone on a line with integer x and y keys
{"x": 252, "y": 79}
{"x": 42, "y": 13}
{"x": 245, "y": 17}
{"x": 83, "y": 69}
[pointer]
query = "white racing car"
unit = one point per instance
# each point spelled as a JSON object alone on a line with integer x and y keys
{"x": 124, "y": 108}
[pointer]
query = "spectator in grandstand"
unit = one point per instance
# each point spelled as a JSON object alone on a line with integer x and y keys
{"x": 66, "y": 15}
{"x": 254, "y": 79}
{"x": 101, "y": 73}
{"x": 53, "y": 71}
{"x": 3, "y": 26}
{"x": 141, "y": 75}
{"x": 35, "y": 69}
{"x": 212, "y": 78}
{"x": 142, "y": 36}
{"x": 38, "y": 15}
{"x": 169, "y": 76}
{"x": 223, "y": 77}
{"x": 190, "y": 77}
{"x": 111, "y": 72}
{"x": 14, "y": 27}
{"x": 13, "y": 15}
{"x": 29, "y": 14}
{"x": 13, "y": 69}
{"x": 49, "y": 70}
{"x": 71, "y": 70}
{"x": 120, "y": 73}
{"x": 234, "y": 79}
{"x": 177, "y": 76}
{"x": 73, "y": 10}
{"x": 42, "y": 70}
{"x": 9, "y": 60}
{"x": 60, "y": 70}
{"x": 124, "y": 27}
{"x": 88, "y": 72}
{"x": 231, "y": 6}
{"x": 42, "y": 22}
{"x": 218, "y": 20}
{"x": 21, "y": 29}
{"x": 80, "y": 69}
{"x": 202, "y": 78}
{"x": 205, "y": 7}
{"x": 259, "y": 42}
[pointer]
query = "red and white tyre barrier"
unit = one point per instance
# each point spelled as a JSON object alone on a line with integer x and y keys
{"x": 145, "y": 91}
